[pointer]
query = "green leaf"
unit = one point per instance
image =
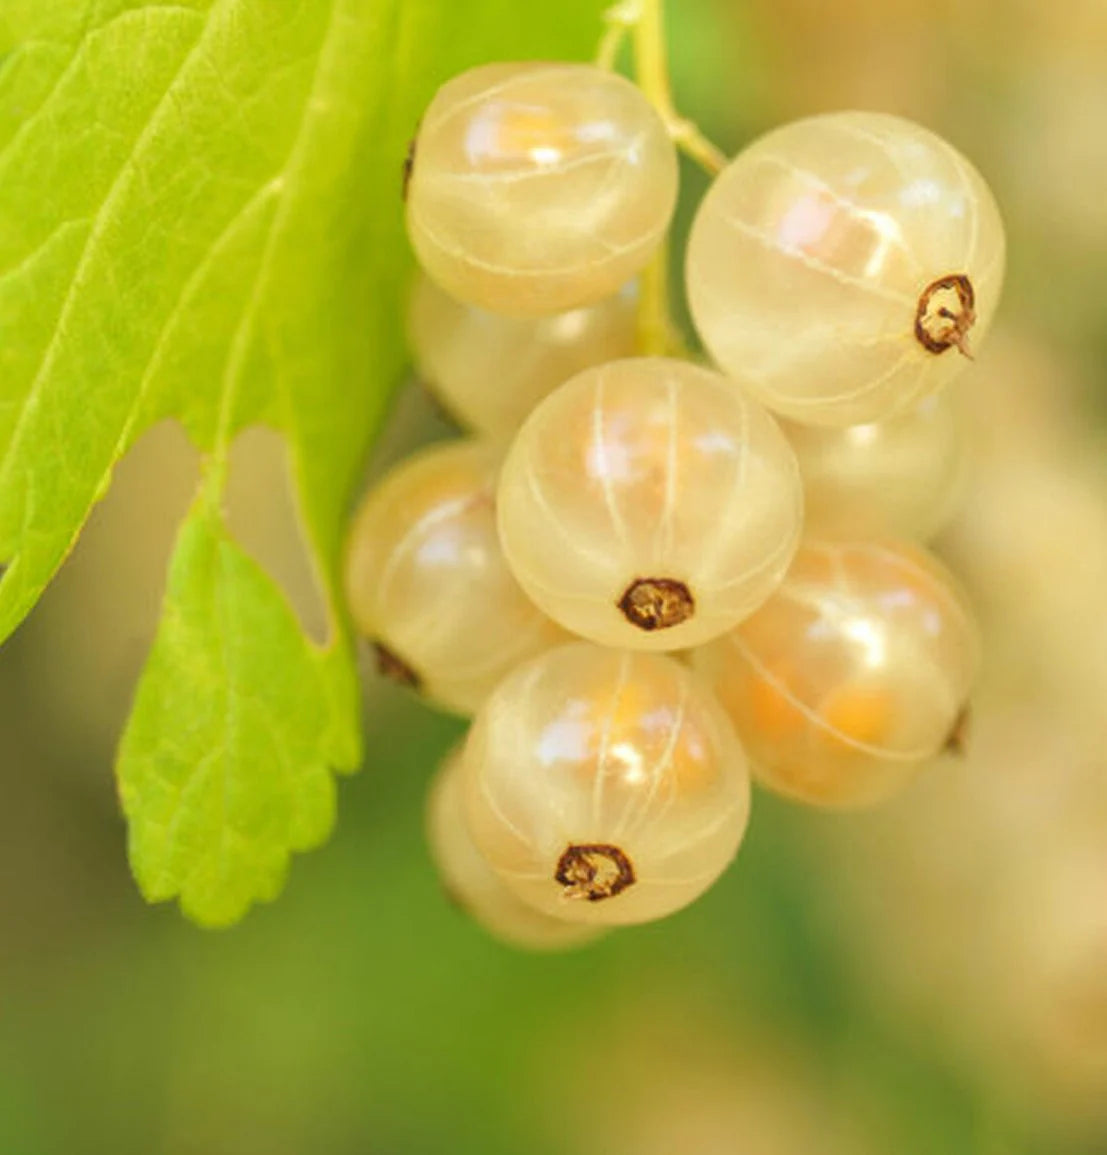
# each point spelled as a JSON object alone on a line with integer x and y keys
{"x": 200, "y": 219}
{"x": 224, "y": 770}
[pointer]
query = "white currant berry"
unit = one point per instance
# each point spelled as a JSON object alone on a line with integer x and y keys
{"x": 605, "y": 786}
{"x": 536, "y": 187}
{"x": 843, "y": 266}
{"x": 895, "y": 478}
{"x": 490, "y": 371}
{"x": 475, "y": 886}
{"x": 649, "y": 504}
{"x": 427, "y": 582}
{"x": 852, "y": 675}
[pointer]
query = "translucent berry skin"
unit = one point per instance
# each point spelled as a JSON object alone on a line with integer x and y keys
{"x": 852, "y": 676}
{"x": 811, "y": 253}
{"x": 649, "y": 470}
{"x": 426, "y": 579}
{"x": 475, "y": 886}
{"x": 895, "y": 478}
{"x": 490, "y": 371}
{"x": 587, "y": 759}
{"x": 538, "y": 187}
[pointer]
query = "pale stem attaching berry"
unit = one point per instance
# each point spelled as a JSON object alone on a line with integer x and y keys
{"x": 643, "y": 22}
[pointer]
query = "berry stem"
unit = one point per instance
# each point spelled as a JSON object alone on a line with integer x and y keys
{"x": 644, "y": 22}
{"x": 696, "y": 146}
{"x": 619, "y": 20}
{"x": 657, "y": 335}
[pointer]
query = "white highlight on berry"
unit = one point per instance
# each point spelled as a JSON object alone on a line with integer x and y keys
{"x": 490, "y": 371}
{"x": 605, "y": 787}
{"x": 852, "y": 676}
{"x": 640, "y": 477}
{"x": 425, "y": 577}
{"x": 475, "y": 886}
{"x": 539, "y": 187}
{"x": 812, "y": 251}
{"x": 895, "y": 478}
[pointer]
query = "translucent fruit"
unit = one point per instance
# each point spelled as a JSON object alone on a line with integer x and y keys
{"x": 844, "y": 266}
{"x": 895, "y": 478}
{"x": 475, "y": 886}
{"x": 856, "y": 672}
{"x": 649, "y": 504}
{"x": 605, "y": 786}
{"x": 426, "y": 580}
{"x": 490, "y": 371}
{"x": 536, "y": 188}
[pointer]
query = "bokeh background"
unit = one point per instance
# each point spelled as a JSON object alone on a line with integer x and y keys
{"x": 930, "y": 977}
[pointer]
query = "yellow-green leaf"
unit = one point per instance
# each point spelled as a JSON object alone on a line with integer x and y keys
{"x": 200, "y": 219}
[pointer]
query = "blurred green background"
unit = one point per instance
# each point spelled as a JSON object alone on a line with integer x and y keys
{"x": 927, "y": 978}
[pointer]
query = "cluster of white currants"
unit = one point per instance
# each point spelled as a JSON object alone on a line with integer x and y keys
{"x": 609, "y": 573}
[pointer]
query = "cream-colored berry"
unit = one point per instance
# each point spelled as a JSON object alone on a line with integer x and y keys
{"x": 475, "y": 886}
{"x": 895, "y": 478}
{"x": 605, "y": 786}
{"x": 649, "y": 504}
{"x": 536, "y": 187}
{"x": 427, "y": 582}
{"x": 844, "y": 266}
{"x": 853, "y": 675}
{"x": 490, "y": 371}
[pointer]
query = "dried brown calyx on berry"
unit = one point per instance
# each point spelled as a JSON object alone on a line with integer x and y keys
{"x": 958, "y": 741}
{"x": 946, "y": 313}
{"x": 657, "y": 603}
{"x": 593, "y": 871}
{"x": 393, "y": 667}
{"x": 409, "y": 166}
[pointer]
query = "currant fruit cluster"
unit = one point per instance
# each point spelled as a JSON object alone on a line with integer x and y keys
{"x": 613, "y": 573}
